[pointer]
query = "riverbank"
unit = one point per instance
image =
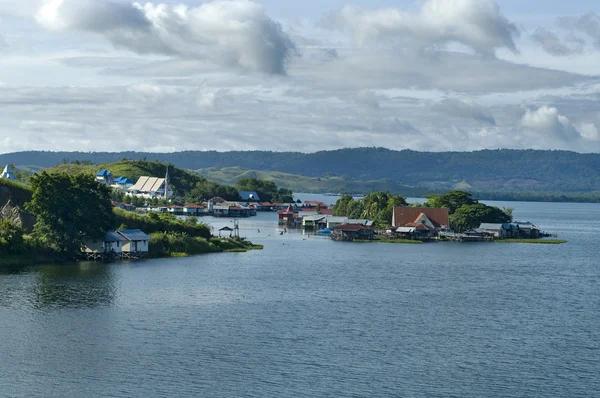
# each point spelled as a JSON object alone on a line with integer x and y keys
{"x": 162, "y": 246}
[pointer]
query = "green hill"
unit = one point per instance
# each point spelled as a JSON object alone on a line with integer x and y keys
{"x": 181, "y": 180}
{"x": 503, "y": 170}
{"x": 300, "y": 183}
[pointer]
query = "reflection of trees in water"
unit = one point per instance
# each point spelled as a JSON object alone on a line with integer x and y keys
{"x": 80, "y": 286}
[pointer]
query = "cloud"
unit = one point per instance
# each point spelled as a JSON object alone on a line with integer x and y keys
{"x": 549, "y": 123}
{"x": 228, "y": 32}
{"x": 478, "y": 24}
{"x": 588, "y": 24}
{"x": 457, "y": 108}
{"x": 368, "y": 98}
{"x": 553, "y": 45}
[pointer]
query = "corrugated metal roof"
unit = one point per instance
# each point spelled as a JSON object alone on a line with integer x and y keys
{"x": 134, "y": 235}
{"x": 148, "y": 184}
{"x": 112, "y": 236}
{"x": 492, "y": 226}
{"x": 405, "y": 230}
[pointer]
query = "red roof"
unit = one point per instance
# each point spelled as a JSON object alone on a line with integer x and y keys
{"x": 326, "y": 212}
{"x": 408, "y": 215}
{"x": 194, "y": 206}
{"x": 352, "y": 227}
{"x": 265, "y": 204}
{"x": 314, "y": 203}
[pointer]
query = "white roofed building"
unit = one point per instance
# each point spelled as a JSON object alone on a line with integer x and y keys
{"x": 150, "y": 187}
{"x": 8, "y": 174}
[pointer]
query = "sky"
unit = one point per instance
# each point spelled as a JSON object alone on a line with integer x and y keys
{"x": 311, "y": 75}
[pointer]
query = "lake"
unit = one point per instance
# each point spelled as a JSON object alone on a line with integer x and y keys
{"x": 311, "y": 317}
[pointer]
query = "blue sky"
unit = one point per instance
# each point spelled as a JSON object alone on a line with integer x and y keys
{"x": 299, "y": 75}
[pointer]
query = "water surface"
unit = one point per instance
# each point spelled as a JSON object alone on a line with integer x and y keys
{"x": 312, "y": 317}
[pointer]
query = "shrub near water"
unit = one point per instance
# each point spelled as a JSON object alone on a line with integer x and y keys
{"x": 166, "y": 244}
{"x": 160, "y": 222}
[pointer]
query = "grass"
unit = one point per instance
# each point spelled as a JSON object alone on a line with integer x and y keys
{"x": 534, "y": 241}
{"x": 403, "y": 241}
{"x": 300, "y": 183}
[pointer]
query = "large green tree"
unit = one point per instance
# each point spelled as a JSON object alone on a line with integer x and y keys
{"x": 205, "y": 190}
{"x": 377, "y": 206}
{"x": 471, "y": 216}
{"x": 69, "y": 210}
{"x": 267, "y": 190}
{"x": 452, "y": 200}
{"x": 11, "y": 238}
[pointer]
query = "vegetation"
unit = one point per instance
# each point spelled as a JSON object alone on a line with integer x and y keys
{"x": 480, "y": 171}
{"x": 302, "y": 183}
{"x": 12, "y": 241}
{"x": 377, "y": 206}
{"x": 181, "y": 180}
{"x": 69, "y": 209}
{"x": 170, "y": 244}
{"x": 466, "y": 212}
{"x": 161, "y": 222}
{"x": 205, "y": 190}
{"x": 267, "y": 190}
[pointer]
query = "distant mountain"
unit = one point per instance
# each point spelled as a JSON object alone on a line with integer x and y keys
{"x": 299, "y": 183}
{"x": 488, "y": 170}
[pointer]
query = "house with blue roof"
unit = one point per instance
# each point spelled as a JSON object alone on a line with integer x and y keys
{"x": 249, "y": 196}
{"x": 122, "y": 183}
{"x": 104, "y": 177}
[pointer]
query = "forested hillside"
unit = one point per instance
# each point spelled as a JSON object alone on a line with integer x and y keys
{"x": 489, "y": 170}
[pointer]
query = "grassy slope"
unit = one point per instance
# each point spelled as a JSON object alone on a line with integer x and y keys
{"x": 299, "y": 183}
{"x": 19, "y": 193}
{"x": 134, "y": 169}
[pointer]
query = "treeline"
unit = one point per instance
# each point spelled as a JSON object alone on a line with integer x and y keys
{"x": 466, "y": 212}
{"x": 511, "y": 170}
{"x": 72, "y": 209}
{"x": 377, "y": 206}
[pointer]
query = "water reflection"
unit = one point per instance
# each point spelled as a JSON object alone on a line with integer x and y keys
{"x": 81, "y": 285}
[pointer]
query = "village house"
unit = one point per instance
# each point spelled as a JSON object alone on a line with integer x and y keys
{"x": 104, "y": 177}
{"x": 500, "y": 231}
{"x": 136, "y": 244}
{"x": 124, "y": 206}
{"x": 193, "y": 210}
{"x": 289, "y": 217}
{"x": 111, "y": 244}
{"x": 423, "y": 222}
{"x": 122, "y": 183}
{"x": 316, "y": 221}
{"x": 8, "y": 174}
{"x": 350, "y": 232}
{"x": 264, "y": 206}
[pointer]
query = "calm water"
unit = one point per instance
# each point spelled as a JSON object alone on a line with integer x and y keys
{"x": 311, "y": 317}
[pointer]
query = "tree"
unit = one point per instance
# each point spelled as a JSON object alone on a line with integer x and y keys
{"x": 471, "y": 216}
{"x": 509, "y": 212}
{"x": 452, "y": 200}
{"x": 11, "y": 238}
{"x": 69, "y": 210}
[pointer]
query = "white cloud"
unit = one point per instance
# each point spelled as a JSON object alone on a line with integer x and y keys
{"x": 228, "y": 32}
{"x": 464, "y": 109}
{"x": 549, "y": 123}
{"x": 478, "y": 24}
